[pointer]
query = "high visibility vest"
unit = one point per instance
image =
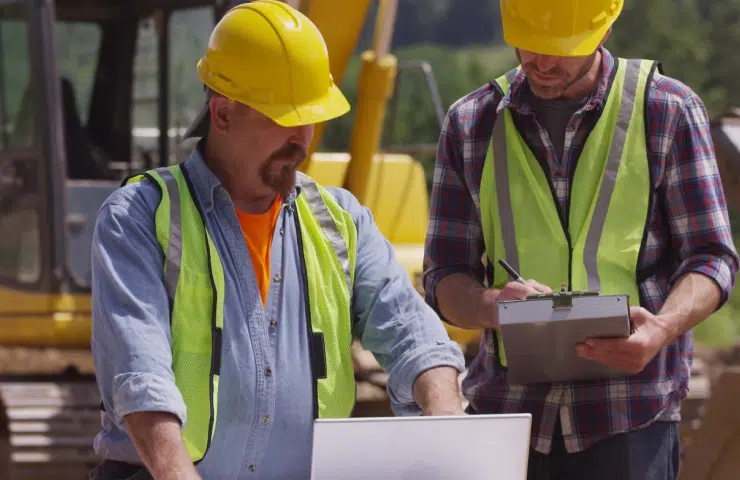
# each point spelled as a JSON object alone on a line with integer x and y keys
{"x": 194, "y": 280}
{"x": 598, "y": 243}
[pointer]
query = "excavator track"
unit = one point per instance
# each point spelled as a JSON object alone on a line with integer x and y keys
{"x": 47, "y": 426}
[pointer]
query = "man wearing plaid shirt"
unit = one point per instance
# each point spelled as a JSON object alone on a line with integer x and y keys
{"x": 657, "y": 226}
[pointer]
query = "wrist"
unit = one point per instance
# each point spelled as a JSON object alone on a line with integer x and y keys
{"x": 488, "y": 309}
{"x": 665, "y": 329}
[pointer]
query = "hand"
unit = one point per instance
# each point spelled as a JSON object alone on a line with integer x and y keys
{"x": 630, "y": 354}
{"x": 511, "y": 291}
{"x": 519, "y": 291}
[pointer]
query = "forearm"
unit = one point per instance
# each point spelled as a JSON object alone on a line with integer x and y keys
{"x": 158, "y": 439}
{"x": 437, "y": 392}
{"x": 693, "y": 298}
{"x": 466, "y": 303}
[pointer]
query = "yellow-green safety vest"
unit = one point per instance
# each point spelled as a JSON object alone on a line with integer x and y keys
{"x": 194, "y": 279}
{"x": 597, "y": 243}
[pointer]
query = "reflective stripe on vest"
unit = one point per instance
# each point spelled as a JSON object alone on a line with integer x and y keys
{"x": 609, "y": 201}
{"x": 194, "y": 277}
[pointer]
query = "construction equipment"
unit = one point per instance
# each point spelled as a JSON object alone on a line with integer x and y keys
{"x": 56, "y": 170}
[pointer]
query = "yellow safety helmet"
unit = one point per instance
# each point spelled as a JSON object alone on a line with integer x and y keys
{"x": 271, "y": 57}
{"x": 558, "y": 27}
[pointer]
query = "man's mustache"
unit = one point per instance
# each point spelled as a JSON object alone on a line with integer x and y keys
{"x": 290, "y": 150}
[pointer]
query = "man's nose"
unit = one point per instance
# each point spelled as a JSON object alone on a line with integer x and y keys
{"x": 303, "y": 134}
{"x": 546, "y": 63}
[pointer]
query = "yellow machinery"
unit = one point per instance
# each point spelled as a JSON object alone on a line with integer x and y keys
{"x": 56, "y": 169}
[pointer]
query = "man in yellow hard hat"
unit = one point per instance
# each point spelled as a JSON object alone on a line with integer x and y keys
{"x": 227, "y": 289}
{"x": 584, "y": 169}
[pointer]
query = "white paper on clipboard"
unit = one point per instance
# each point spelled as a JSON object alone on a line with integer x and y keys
{"x": 540, "y": 335}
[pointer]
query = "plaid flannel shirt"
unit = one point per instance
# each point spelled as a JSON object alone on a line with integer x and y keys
{"x": 689, "y": 231}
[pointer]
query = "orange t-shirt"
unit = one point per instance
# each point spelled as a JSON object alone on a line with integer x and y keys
{"x": 258, "y": 230}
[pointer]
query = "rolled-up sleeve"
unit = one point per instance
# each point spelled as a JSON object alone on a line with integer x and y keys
{"x": 130, "y": 310}
{"x": 695, "y": 202}
{"x": 391, "y": 319}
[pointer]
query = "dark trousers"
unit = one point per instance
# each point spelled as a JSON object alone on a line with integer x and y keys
{"x": 115, "y": 470}
{"x": 651, "y": 453}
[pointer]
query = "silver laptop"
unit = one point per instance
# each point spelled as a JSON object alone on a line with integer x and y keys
{"x": 405, "y": 448}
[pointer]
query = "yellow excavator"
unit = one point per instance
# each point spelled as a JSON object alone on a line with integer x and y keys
{"x": 57, "y": 167}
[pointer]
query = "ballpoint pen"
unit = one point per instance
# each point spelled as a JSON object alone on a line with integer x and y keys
{"x": 511, "y": 271}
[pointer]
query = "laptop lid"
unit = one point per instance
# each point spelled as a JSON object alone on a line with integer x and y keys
{"x": 405, "y": 448}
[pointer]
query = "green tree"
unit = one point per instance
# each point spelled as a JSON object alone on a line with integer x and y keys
{"x": 675, "y": 33}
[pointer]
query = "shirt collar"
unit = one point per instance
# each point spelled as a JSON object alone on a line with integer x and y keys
{"x": 519, "y": 96}
{"x": 205, "y": 182}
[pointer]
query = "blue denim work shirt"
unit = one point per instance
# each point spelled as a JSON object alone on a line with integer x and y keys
{"x": 265, "y": 421}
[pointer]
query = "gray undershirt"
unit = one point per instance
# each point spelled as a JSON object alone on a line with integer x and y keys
{"x": 554, "y": 116}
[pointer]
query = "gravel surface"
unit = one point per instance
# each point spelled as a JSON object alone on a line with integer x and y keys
{"x": 23, "y": 360}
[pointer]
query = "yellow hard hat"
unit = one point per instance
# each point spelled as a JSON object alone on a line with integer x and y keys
{"x": 271, "y": 57}
{"x": 558, "y": 27}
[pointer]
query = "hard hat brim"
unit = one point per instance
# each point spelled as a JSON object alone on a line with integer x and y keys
{"x": 572, "y": 46}
{"x": 332, "y": 105}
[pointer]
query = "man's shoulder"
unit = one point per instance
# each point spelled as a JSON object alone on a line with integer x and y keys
{"x": 346, "y": 200}
{"x": 138, "y": 200}
{"x": 467, "y": 111}
{"x": 669, "y": 93}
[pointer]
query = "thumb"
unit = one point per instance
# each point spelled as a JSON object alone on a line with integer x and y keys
{"x": 638, "y": 316}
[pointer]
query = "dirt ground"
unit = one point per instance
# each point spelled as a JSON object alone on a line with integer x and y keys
{"x": 23, "y": 360}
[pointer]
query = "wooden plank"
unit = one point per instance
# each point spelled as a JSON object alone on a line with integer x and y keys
{"x": 714, "y": 453}
{"x": 24, "y": 414}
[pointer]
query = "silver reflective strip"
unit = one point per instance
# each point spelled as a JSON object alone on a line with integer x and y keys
{"x": 500, "y": 163}
{"x": 511, "y": 75}
{"x": 174, "y": 248}
{"x": 631, "y": 78}
{"x": 321, "y": 212}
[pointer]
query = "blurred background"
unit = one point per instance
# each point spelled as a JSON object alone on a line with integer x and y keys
{"x": 127, "y": 89}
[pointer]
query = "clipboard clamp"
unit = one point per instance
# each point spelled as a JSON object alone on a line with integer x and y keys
{"x": 562, "y": 299}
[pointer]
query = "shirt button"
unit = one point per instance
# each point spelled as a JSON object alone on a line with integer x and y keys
{"x": 268, "y": 372}
{"x": 281, "y": 231}
{"x": 252, "y": 468}
{"x": 276, "y": 278}
{"x": 273, "y": 323}
{"x": 265, "y": 420}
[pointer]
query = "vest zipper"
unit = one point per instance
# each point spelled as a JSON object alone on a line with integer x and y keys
{"x": 563, "y": 217}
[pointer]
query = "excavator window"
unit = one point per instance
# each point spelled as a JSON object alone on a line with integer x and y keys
{"x": 20, "y": 160}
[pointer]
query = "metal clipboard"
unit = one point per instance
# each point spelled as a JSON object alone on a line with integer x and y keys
{"x": 540, "y": 334}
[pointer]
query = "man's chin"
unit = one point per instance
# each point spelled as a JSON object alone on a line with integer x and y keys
{"x": 283, "y": 185}
{"x": 546, "y": 93}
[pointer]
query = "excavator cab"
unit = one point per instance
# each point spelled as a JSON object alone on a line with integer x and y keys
{"x": 74, "y": 75}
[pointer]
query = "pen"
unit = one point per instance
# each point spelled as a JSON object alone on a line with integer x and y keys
{"x": 511, "y": 271}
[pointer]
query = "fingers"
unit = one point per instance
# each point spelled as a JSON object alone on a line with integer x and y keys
{"x": 520, "y": 291}
{"x": 517, "y": 291}
{"x": 539, "y": 288}
{"x": 620, "y": 360}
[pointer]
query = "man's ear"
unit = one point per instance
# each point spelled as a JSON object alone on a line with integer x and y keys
{"x": 219, "y": 113}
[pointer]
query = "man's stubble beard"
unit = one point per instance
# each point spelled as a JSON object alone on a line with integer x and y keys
{"x": 557, "y": 91}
